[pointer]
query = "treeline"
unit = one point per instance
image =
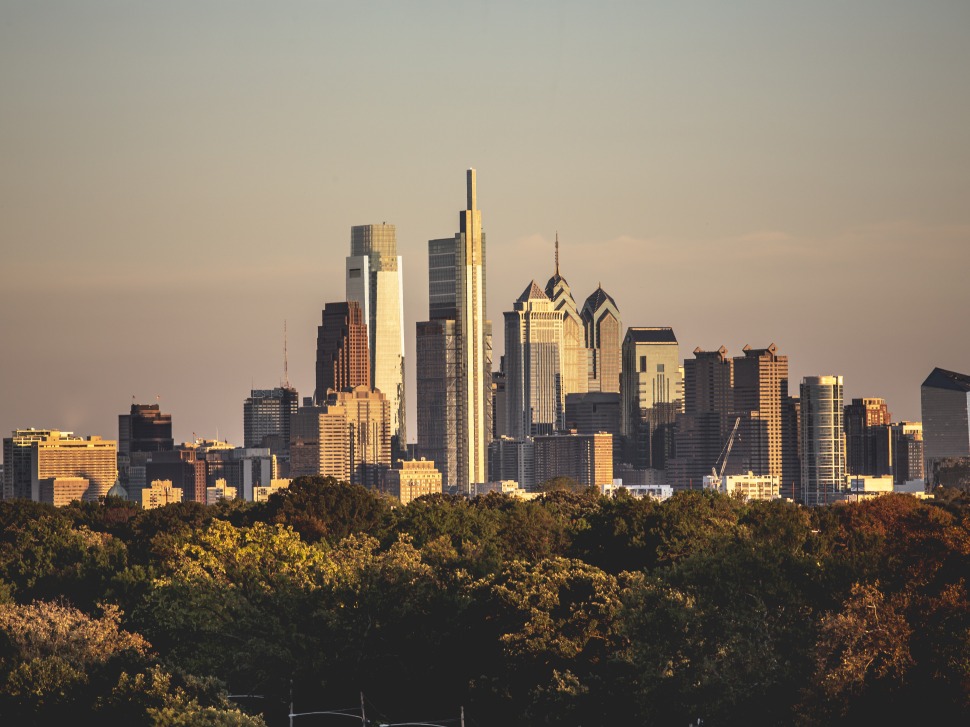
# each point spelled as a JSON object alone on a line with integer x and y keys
{"x": 573, "y": 609}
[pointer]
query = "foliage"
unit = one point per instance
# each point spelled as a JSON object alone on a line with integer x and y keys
{"x": 569, "y": 609}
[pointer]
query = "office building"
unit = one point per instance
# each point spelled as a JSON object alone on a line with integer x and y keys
{"x": 603, "y": 331}
{"x": 184, "y": 467}
{"x": 512, "y": 459}
{"x": 159, "y": 494}
{"x": 823, "y": 440}
{"x": 708, "y": 419}
{"x": 266, "y": 419}
{"x": 218, "y": 492}
{"x": 749, "y": 486}
{"x": 343, "y": 361}
{"x": 264, "y": 492}
{"x": 145, "y": 429}
{"x": 867, "y": 437}
{"x": 945, "y": 403}
{"x": 375, "y": 282}
{"x": 572, "y": 349}
{"x": 456, "y": 344}
{"x": 595, "y": 411}
{"x": 585, "y": 458}
{"x": 650, "y": 383}
{"x": 368, "y": 416}
{"x": 411, "y": 479}
{"x": 533, "y": 333}
{"x": 33, "y": 455}
{"x": 436, "y": 353}
{"x": 499, "y": 402}
{"x": 320, "y": 442}
{"x": 907, "y": 452}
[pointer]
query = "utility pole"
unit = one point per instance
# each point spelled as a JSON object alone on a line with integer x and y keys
{"x": 463, "y": 706}
{"x": 363, "y": 717}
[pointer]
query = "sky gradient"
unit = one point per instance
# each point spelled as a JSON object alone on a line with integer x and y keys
{"x": 179, "y": 178}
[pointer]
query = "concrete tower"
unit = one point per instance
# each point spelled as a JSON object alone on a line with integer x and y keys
{"x": 374, "y": 280}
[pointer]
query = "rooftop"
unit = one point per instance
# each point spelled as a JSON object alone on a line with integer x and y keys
{"x": 943, "y": 379}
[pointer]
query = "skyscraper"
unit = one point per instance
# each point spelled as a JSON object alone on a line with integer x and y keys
{"x": 375, "y": 281}
{"x": 572, "y": 350}
{"x": 945, "y": 401}
{"x": 368, "y": 415}
{"x": 533, "y": 332}
{"x": 603, "y": 331}
{"x": 868, "y": 449}
{"x": 760, "y": 389}
{"x": 823, "y": 440}
{"x": 707, "y": 421}
{"x": 266, "y": 419}
{"x": 457, "y": 344}
{"x": 145, "y": 429}
{"x": 342, "y": 358}
{"x": 650, "y": 383}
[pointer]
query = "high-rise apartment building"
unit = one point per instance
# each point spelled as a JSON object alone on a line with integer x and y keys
{"x": 457, "y": 343}
{"x": 760, "y": 390}
{"x": 572, "y": 350}
{"x": 650, "y": 386}
{"x": 823, "y": 440}
{"x": 343, "y": 361}
{"x": 868, "y": 449}
{"x": 945, "y": 403}
{"x": 603, "y": 332}
{"x": 533, "y": 387}
{"x": 375, "y": 281}
{"x": 33, "y": 455}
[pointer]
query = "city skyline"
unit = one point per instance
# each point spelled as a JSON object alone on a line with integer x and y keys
{"x": 149, "y": 235}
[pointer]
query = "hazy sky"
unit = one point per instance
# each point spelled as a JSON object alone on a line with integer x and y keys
{"x": 179, "y": 178}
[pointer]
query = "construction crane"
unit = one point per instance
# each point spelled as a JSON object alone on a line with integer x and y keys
{"x": 725, "y": 453}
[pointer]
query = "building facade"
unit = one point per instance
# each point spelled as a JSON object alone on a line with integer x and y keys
{"x": 823, "y": 440}
{"x": 512, "y": 459}
{"x": 320, "y": 442}
{"x": 868, "y": 449}
{"x": 375, "y": 281}
{"x": 368, "y": 414}
{"x": 266, "y": 419}
{"x": 760, "y": 390}
{"x": 585, "y": 458}
{"x": 411, "y": 479}
{"x": 33, "y": 455}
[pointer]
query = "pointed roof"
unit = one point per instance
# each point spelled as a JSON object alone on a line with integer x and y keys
{"x": 943, "y": 379}
{"x": 118, "y": 490}
{"x": 533, "y": 292}
{"x": 598, "y": 298}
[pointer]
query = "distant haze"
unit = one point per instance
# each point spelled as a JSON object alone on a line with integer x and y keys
{"x": 179, "y": 178}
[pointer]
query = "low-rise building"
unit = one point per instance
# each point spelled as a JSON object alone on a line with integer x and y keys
{"x": 159, "y": 494}
{"x": 412, "y": 479}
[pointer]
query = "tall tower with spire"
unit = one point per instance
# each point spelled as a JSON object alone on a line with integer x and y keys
{"x": 572, "y": 348}
{"x": 454, "y": 354}
{"x": 604, "y": 332}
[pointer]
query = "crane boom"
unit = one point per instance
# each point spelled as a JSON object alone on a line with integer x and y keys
{"x": 725, "y": 453}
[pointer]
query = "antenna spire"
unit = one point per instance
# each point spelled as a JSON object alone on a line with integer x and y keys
{"x": 286, "y": 373}
{"x": 557, "y": 252}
